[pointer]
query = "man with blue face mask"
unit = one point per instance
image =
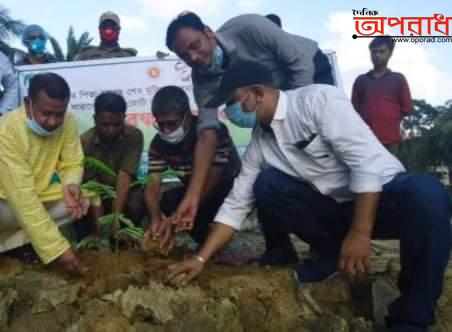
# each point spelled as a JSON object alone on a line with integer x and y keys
{"x": 314, "y": 169}
{"x": 173, "y": 147}
{"x": 34, "y": 38}
{"x": 292, "y": 60}
{"x": 40, "y": 172}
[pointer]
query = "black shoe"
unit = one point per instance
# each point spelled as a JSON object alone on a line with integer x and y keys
{"x": 25, "y": 254}
{"x": 315, "y": 269}
{"x": 278, "y": 256}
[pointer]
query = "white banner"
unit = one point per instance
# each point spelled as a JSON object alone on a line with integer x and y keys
{"x": 137, "y": 80}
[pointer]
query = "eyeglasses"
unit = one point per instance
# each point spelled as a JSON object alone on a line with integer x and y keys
{"x": 170, "y": 125}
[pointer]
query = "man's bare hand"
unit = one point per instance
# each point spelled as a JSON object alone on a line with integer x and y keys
{"x": 74, "y": 201}
{"x": 189, "y": 267}
{"x": 355, "y": 254}
{"x": 166, "y": 236}
{"x": 162, "y": 230}
{"x": 184, "y": 217}
{"x": 69, "y": 261}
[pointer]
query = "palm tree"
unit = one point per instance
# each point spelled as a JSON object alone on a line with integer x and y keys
{"x": 74, "y": 45}
{"x": 9, "y": 28}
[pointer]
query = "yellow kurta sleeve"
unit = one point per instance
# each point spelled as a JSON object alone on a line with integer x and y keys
{"x": 17, "y": 182}
{"x": 70, "y": 164}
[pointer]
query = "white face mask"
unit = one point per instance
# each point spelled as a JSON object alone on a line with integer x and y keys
{"x": 35, "y": 127}
{"x": 175, "y": 136}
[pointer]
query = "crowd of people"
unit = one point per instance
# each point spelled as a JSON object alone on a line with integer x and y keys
{"x": 319, "y": 166}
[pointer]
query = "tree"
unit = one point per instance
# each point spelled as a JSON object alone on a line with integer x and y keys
{"x": 443, "y": 133}
{"x": 74, "y": 45}
{"x": 9, "y": 28}
{"x": 429, "y": 137}
{"x": 420, "y": 120}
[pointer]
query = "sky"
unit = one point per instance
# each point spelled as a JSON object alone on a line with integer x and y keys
{"x": 427, "y": 67}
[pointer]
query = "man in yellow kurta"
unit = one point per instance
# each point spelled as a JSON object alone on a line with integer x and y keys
{"x": 40, "y": 172}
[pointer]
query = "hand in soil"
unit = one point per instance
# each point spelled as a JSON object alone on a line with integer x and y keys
{"x": 162, "y": 232}
{"x": 354, "y": 256}
{"x": 153, "y": 231}
{"x": 185, "y": 271}
{"x": 69, "y": 261}
{"x": 176, "y": 281}
{"x": 149, "y": 243}
{"x": 166, "y": 238}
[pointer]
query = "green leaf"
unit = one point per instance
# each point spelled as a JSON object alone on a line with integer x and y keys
{"x": 103, "y": 190}
{"x": 135, "y": 232}
{"x": 108, "y": 219}
{"x": 150, "y": 178}
{"x": 125, "y": 221}
{"x": 57, "y": 51}
{"x": 74, "y": 45}
{"x": 140, "y": 183}
{"x": 171, "y": 173}
{"x": 88, "y": 243}
{"x": 99, "y": 166}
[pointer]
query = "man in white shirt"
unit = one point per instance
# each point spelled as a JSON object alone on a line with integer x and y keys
{"x": 315, "y": 169}
{"x": 9, "y": 89}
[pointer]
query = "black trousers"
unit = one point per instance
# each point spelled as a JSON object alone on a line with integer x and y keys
{"x": 412, "y": 208}
{"x": 207, "y": 209}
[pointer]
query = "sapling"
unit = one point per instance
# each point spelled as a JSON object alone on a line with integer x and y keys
{"x": 106, "y": 192}
{"x": 99, "y": 166}
{"x": 90, "y": 243}
{"x": 127, "y": 228}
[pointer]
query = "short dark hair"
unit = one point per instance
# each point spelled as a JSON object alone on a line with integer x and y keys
{"x": 384, "y": 40}
{"x": 110, "y": 102}
{"x": 183, "y": 20}
{"x": 52, "y": 84}
{"x": 275, "y": 19}
{"x": 239, "y": 75}
{"x": 170, "y": 98}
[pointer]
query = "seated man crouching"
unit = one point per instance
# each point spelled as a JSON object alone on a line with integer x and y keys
{"x": 174, "y": 148}
{"x": 118, "y": 146}
{"x": 40, "y": 172}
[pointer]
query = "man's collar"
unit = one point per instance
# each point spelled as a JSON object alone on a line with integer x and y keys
{"x": 98, "y": 141}
{"x": 281, "y": 107}
{"x": 227, "y": 44}
{"x": 370, "y": 73}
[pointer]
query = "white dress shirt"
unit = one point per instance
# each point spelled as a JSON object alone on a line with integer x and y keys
{"x": 317, "y": 137}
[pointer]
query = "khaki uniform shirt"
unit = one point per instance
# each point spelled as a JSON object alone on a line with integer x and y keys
{"x": 101, "y": 52}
